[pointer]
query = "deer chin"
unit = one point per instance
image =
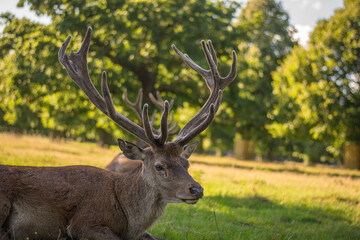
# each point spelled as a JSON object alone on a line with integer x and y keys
{"x": 174, "y": 200}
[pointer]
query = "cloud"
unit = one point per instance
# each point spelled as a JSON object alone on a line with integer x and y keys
{"x": 304, "y": 3}
{"x": 303, "y": 33}
{"x": 317, "y": 5}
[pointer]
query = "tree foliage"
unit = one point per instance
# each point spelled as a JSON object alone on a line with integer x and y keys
{"x": 131, "y": 41}
{"x": 317, "y": 87}
{"x": 37, "y": 94}
{"x": 268, "y": 39}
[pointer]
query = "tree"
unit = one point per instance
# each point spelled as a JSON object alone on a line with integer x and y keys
{"x": 294, "y": 121}
{"x": 317, "y": 88}
{"x": 335, "y": 45}
{"x": 268, "y": 40}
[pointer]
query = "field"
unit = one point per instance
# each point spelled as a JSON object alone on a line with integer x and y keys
{"x": 243, "y": 199}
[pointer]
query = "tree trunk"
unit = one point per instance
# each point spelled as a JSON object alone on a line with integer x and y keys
{"x": 147, "y": 82}
{"x": 270, "y": 148}
{"x": 352, "y": 156}
{"x": 56, "y": 135}
{"x": 309, "y": 162}
{"x": 244, "y": 149}
{"x": 105, "y": 139}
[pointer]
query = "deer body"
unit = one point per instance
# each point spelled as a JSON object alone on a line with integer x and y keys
{"x": 122, "y": 164}
{"x": 82, "y": 202}
{"x": 75, "y": 199}
{"x": 59, "y": 205}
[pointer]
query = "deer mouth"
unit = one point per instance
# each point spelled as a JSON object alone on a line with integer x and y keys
{"x": 190, "y": 201}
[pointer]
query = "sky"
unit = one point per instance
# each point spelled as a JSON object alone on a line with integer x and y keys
{"x": 303, "y": 13}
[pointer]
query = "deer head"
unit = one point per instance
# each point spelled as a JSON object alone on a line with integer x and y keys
{"x": 165, "y": 164}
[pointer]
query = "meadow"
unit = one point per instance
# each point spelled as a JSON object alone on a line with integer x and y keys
{"x": 243, "y": 199}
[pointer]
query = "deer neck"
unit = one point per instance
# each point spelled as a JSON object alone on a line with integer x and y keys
{"x": 140, "y": 201}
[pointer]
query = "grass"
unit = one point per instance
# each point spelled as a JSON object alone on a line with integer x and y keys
{"x": 243, "y": 199}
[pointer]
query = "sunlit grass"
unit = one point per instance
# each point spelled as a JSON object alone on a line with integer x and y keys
{"x": 40, "y": 151}
{"x": 243, "y": 199}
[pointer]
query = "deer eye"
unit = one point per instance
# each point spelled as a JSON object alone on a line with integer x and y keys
{"x": 159, "y": 168}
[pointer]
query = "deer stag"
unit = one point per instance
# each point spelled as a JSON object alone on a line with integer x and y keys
{"x": 83, "y": 202}
{"x": 121, "y": 163}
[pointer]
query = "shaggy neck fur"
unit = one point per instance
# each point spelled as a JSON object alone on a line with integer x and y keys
{"x": 142, "y": 203}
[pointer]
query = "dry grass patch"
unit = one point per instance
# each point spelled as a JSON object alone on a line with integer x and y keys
{"x": 40, "y": 151}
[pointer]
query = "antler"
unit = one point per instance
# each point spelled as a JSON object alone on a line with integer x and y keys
{"x": 173, "y": 127}
{"x": 77, "y": 68}
{"x": 136, "y": 107}
{"x": 216, "y": 85}
{"x": 158, "y": 102}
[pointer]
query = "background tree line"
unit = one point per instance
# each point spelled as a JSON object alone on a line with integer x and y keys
{"x": 292, "y": 101}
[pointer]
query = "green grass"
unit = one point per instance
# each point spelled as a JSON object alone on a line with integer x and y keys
{"x": 243, "y": 199}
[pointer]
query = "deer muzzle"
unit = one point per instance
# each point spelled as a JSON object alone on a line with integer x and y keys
{"x": 197, "y": 192}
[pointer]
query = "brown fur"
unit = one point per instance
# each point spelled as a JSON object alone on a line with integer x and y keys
{"x": 122, "y": 164}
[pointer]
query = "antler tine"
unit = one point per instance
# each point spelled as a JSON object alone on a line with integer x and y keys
{"x": 147, "y": 126}
{"x": 170, "y": 123}
{"x": 215, "y": 83}
{"x": 212, "y": 51}
{"x": 153, "y": 118}
{"x": 107, "y": 96}
{"x": 211, "y": 61}
{"x": 158, "y": 95}
{"x": 156, "y": 140}
{"x": 158, "y": 101}
{"x": 136, "y": 107}
{"x": 173, "y": 126}
{"x": 204, "y": 73}
{"x": 203, "y": 123}
{"x": 164, "y": 123}
{"x": 174, "y": 129}
{"x": 155, "y": 101}
{"x": 232, "y": 74}
{"x": 199, "y": 129}
{"x": 77, "y": 68}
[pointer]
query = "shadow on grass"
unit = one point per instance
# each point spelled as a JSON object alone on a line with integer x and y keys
{"x": 254, "y": 217}
{"x": 269, "y": 169}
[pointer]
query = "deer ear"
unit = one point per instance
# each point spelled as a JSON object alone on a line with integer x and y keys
{"x": 131, "y": 151}
{"x": 189, "y": 149}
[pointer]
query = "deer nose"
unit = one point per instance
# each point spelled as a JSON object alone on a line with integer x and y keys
{"x": 197, "y": 192}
